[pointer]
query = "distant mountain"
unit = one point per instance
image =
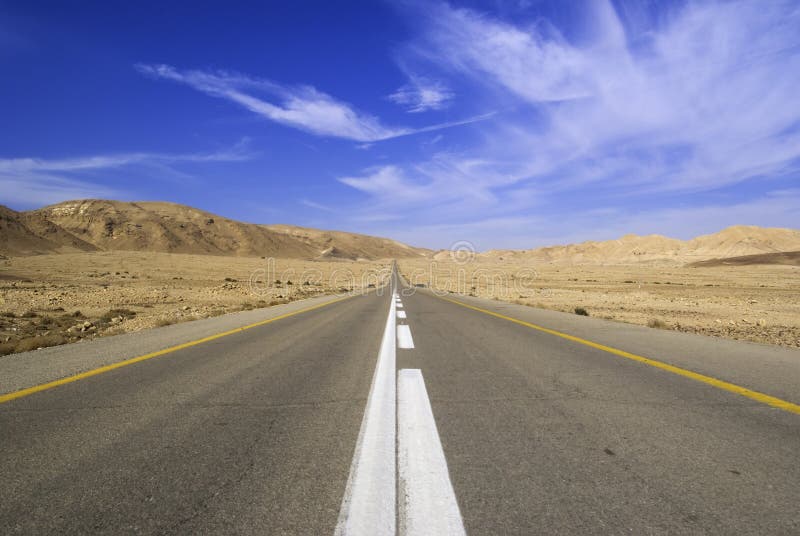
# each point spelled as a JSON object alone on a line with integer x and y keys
{"x": 29, "y": 233}
{"x": 99, "y": 225}
{"x": 734, "y": 241}
{"x": 789, "y": 258}
{"x": 90, "y": 225}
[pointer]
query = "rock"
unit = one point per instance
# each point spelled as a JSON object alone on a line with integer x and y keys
{"x": 761, "y": 322}
{"x": 186, "y": 307}
{"x": 87, "y": 324}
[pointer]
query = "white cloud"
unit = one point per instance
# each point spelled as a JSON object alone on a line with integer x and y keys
{"x": 701, "y": 98}
{"x": 317, "y": 206}
{"x": 33, "y": 182}
{"x": 421, "y": 94}
{"x": 302, "y": 107}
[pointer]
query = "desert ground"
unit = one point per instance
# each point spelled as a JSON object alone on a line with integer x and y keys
{"x": 53, "y": 299}
{"x": 759, "y": 303}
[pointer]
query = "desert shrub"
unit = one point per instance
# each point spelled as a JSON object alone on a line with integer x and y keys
{"x": 8, "y": 314}
{"x": 41, "y": 341}
{"x": 29, "y": 314}
{"x": 657, "y": 323}
{"x": 119, "y": 330}
{"x": 230, "y": 280}
{"x": 46, "y": 320}
{"x": 124, "y": 313}
{"x": 7, "y": 347}
{"x": 581, "y": 311}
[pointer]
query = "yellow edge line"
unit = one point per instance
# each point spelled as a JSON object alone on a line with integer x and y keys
{"x": 720, "y": 384}
{"x": 94, "y": 372}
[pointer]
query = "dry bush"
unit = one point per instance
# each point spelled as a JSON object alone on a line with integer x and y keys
{"x": 657, "y": 323}
{"x": 42, "y": 341}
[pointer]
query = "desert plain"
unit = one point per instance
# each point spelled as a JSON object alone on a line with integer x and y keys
{"x": 46, "y": 300}
{"x": 54, "y": 299}
{"x": 758, "y": 303}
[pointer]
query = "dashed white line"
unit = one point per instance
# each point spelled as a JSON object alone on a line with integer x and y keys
{"x": 427, "y": 502}
{"x": 398, "y": 439}
{"x": 369, "y": 503}
{"x": 404, "y": 339}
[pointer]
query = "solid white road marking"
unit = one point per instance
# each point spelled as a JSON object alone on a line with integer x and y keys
{"x": 404, "y": 339}
{"x": 401, "y": 314}
{"x": 370, "y": 500}
{"x": 427, "y": 503}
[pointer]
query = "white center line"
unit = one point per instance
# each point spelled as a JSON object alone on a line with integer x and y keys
{"x": 369, "y": 503}
{"x": 404, "y": 339}
{"x": 398, "y": 450}
{"x": 427, "y": 503}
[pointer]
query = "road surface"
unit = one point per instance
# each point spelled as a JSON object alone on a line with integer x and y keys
{"x": 414, "y": 414}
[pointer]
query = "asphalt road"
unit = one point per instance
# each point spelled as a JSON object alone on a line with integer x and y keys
{"x": 259, "y": 432}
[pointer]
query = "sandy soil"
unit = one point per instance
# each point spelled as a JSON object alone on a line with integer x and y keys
{"x": 54, "y": 299}
{"x": 754, "y": 303}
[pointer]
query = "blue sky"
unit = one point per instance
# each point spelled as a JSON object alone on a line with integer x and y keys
{"x": 507, "y": 124}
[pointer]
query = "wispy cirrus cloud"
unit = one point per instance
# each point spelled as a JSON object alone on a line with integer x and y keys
{"x": 32, "y": 182}
{"x": 421, "y": 94}
{"x": 635, "y": 111}
{"x": 302, "y": 107}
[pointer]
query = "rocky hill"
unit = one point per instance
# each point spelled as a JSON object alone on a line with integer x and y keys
{"x": 789, "y": 258}
{"x": 734, "y": 241}
{"x": 99, "y": 225}
{"x": 89, "y": 225}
